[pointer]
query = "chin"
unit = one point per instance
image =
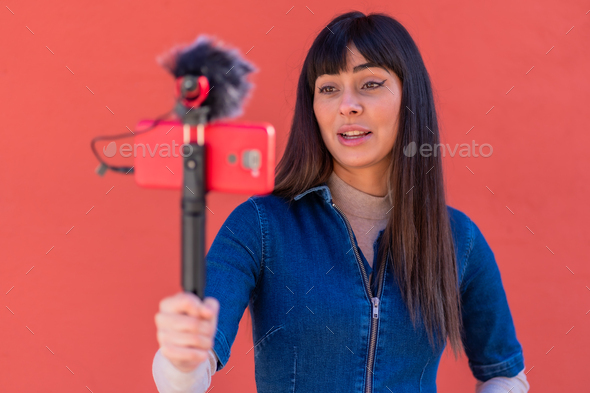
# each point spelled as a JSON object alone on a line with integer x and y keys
{"x": 360, "y": 162}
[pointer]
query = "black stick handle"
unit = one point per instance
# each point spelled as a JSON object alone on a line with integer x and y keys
{"x": 193, "y": 220}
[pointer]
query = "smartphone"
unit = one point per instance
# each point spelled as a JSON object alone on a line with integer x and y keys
{"x": 240, "y": 157}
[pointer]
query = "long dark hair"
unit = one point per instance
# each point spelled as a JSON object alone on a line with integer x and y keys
{"x": 418, "y": 234}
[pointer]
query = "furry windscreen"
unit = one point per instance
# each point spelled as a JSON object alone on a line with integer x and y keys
{"x": 224, "y": 68}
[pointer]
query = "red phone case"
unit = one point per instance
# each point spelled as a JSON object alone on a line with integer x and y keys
{"x": 156, "y": 166}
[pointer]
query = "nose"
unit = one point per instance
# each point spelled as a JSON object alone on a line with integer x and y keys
{"x": 350, "y": 104}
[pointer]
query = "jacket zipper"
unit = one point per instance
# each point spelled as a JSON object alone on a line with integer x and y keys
{"x": 374, "y": 304}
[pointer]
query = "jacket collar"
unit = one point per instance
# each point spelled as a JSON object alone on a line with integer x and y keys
{"x": 322, "y": 189}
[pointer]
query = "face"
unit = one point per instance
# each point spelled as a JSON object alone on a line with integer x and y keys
{"x": 369, "y": 100}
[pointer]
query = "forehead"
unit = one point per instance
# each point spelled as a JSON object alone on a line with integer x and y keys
{"x": 354, "y": 58}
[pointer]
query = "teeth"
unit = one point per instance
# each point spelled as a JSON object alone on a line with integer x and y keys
{"x": 350, "y": 133}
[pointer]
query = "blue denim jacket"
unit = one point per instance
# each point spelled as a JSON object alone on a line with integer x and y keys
{"x": 316, "y": 325}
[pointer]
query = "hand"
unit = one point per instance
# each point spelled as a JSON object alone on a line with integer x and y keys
{"x": 186, "y": 329}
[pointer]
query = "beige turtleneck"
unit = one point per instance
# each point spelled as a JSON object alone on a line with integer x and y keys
{"x": 366, "y": 213}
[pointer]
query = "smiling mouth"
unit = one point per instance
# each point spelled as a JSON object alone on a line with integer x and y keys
{"x": 354, "y": 134}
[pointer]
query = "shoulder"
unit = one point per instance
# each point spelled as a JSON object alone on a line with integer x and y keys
{"x": 474, "y": 254}
{"x": 462, "y": 228}
{"x": 256, "y": 212}
{"x": 269, "y": 201}
{"x": 460, "y": 222}
{"x": 259, "y": 205}
{"x": 270, "y": 206}
{"x": 465, "y": 235}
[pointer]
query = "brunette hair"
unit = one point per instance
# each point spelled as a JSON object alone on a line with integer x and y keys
{"x": 418, "y": 234}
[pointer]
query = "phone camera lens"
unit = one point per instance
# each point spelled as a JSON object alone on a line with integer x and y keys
{"x": 251, "y": 159}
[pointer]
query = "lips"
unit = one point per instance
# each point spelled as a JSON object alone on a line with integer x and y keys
{"x": 351, "y": 141}
{"x": 352, "y": 133}
{"x": 353, "y": 127}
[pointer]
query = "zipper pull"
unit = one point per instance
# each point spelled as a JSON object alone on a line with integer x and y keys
{"x": 375, "y": 301}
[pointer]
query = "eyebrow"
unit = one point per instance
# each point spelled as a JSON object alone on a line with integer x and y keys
{"x": 361, "y": 67}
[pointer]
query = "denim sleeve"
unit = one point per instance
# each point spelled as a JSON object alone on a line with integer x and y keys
{"x": 489, "y": 339}
{"x": 234, "y": 262}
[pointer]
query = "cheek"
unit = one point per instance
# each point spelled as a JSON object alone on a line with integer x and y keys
{"x": 388, "y": 120}
{"x": 320, "y": 115}
{"x": 321, "y": 112}
{"x": 323, "y": 117}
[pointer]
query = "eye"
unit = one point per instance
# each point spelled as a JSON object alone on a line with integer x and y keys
{"x": 379, "y": 84}
{"x": 322, "y": 90}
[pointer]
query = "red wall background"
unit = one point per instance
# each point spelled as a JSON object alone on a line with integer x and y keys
{"x": 86, "y": 259}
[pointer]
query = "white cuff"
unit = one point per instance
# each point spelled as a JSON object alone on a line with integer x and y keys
{"x": 516, "y": 384}
{"x": 169, "y": 379}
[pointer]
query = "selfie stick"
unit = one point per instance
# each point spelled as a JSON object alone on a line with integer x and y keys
{"x": 195, "y": 68}
{"x": 193, "y": 190}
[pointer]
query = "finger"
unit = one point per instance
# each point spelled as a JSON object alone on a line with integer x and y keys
{"x": 181, "y": 303}
{"x": 204, "y": 309}
{"x": 212, "y": 304}
{"x": 186, "y": 356}
{"x": 185, "y": 323}
{"x": 185, "y": 340}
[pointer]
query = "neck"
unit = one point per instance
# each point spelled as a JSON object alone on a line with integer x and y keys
{"x": 357, "y": 203}
{"x": 369, "y": 180}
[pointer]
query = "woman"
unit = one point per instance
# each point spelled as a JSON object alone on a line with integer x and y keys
{"x": 350, "y": 200}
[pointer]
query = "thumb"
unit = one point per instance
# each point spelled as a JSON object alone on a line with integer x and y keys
{"x": 212, "y": 304}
